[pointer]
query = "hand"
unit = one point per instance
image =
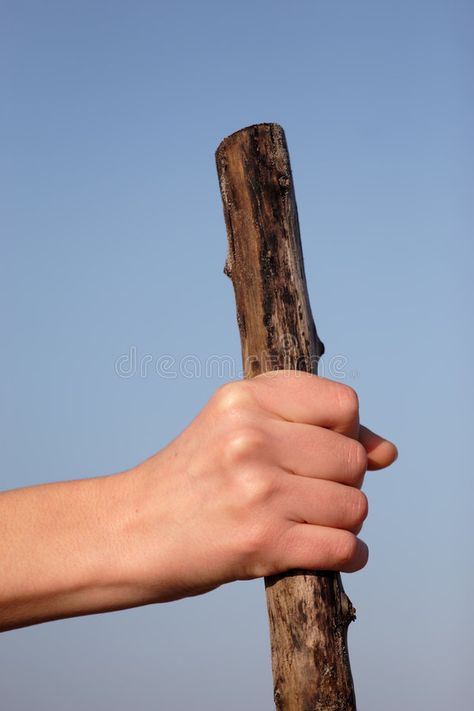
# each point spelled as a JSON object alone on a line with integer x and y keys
{"x": 266, "y": 479}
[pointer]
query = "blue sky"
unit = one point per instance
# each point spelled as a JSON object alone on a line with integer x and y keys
{"x": 112, "y": 239}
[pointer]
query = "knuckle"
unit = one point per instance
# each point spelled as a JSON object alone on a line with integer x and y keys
{"x": 254, "y": 489}
{"x": 270, "y": 550}
{"x": 348, "y": 401}
{"x": 357, "y": 461}
{"x": 231, "y": 397}
{"x": 242, "y": 444}
{"x": 359, "y": 507}
{"x": 254, "y": 549}
{"x": 346, "y": 549}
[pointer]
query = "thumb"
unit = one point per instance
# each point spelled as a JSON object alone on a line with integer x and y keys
{"x": 380, "y": 452}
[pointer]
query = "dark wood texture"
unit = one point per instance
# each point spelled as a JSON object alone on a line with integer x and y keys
{"x": 308, "y": 611}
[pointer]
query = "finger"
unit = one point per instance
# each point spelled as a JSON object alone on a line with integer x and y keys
{"x": 323, "y": 503}
{"x": 317, "y": 452}
{"x": 380, "y": 452}
{"x": 308, "y": 547}
{"x": 301, "y": 397}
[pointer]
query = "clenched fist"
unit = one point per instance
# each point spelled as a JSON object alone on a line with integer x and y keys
{"x": 267, "y": 478}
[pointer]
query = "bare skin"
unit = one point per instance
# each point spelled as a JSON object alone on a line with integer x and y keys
{"x": 267, "y": 478}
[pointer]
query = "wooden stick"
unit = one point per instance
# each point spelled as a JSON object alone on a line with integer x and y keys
{"x": 308, "y": 612}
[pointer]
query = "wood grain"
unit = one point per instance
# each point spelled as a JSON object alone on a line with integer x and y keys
{"x": 308, "y": 611}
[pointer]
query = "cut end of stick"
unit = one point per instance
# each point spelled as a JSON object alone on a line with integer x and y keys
{"x": 246, "y": 129}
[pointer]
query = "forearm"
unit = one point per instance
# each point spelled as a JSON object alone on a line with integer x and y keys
{"x": 62, "y": 551}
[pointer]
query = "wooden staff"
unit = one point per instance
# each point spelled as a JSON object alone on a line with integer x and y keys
{"x": 309, "y": 612}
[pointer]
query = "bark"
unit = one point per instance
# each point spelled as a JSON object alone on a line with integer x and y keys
{"x": 308, "y": 611}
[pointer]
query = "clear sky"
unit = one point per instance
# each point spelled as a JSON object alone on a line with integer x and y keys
{"x": 113, "y": 243}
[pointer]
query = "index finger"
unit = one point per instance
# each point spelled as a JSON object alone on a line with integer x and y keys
{"x": 301, "y": 397}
